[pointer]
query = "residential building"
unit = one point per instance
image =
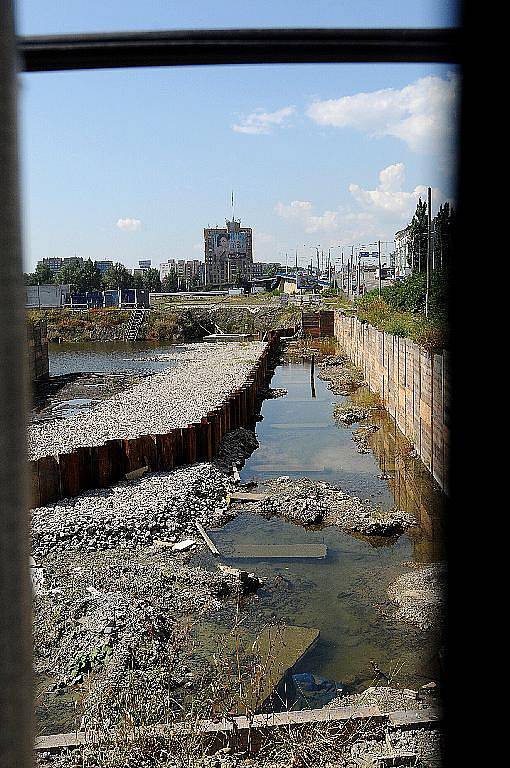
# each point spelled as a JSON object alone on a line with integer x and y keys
{"x": 187, "y": 270}
{"x": 103, "y": 266}
{"x": 403, "y": 252}
{"x": 228, "y": 254}
{"x": 53, "y": 262}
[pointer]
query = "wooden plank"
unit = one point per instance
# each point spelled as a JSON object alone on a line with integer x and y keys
{"x": 212, "y": 546}
{"x": 415, "y": 716}
{"x": 278, "y": 551}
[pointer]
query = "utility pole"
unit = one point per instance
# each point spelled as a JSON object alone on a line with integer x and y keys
{"x": 379, "y": 260}
{"x": 429, "y": 243}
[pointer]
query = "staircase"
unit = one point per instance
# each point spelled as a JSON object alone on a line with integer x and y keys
{"x": 134, "y": 324}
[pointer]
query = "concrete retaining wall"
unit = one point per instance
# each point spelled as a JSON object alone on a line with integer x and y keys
{"x": 68, "y": 474}
{"x": 414, "y": 386}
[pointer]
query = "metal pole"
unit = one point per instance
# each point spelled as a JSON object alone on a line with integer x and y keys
{"x": 429, "y": 224}
{"x": 15, "y": 588}
{"x": 379, "y": 259}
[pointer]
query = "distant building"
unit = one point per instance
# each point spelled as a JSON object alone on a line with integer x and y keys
{"x": 73, "y": 260}
{"x": 228, "y": 254}
{"x": 103, "y": 266}
{"x": 263, "y": 269}
{"x": 54, "y": 263}
{"x": 187, "y": 271}
{"x": 403, "y": 252}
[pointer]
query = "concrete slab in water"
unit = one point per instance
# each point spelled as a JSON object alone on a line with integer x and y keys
{"x": 283, "y": 469}
{"x": 279, "y": 649}
{"x": 302, "y": 425}
{"x": 280, "y": 551}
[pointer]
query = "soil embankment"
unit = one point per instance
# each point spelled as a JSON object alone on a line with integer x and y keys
{"x": 173, "y": 324}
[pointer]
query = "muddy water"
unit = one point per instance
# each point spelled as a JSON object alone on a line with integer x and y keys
{"x": 344, "y": 594}
{"x": 118, "y": 357}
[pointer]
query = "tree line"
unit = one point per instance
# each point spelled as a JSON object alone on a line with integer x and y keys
{"x": 85, "y": 276}
{"x": 443, "y": 238}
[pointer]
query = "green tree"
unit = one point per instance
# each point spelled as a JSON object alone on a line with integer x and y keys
{"x": 169, "y": 283}
{"x": 418, "y": 229}
{"x": 151, "y": 280}
{"x": 42, "y": 275}
{"x": 89, "y": 277}
{"x": 138, "y": 281}
{"x": 117, "y": 277}
{"x": 69, "y": 274}
{"x": 444, "y": 236}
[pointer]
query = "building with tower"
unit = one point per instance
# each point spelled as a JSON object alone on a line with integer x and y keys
{"x": 228, "y": 254}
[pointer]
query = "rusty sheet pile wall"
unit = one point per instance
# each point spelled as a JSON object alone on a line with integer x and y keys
{"x": 68, "y": 474}
{"x": 38, "y": 360}
{"x": 414, "y": 386}
{"x": 318, "y": 324}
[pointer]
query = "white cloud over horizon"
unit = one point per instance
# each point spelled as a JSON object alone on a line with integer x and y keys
{"x": 374, "y": 214}
{"x": 422, "y": 114}
{"x": 129, "y": 225}
{"x": 261, "y": 122}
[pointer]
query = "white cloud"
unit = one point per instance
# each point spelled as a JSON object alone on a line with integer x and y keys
{"x": 389, "y": 196}
{"x": 374, "y": 213}
{"x": 263, "y": 122}
{"x": 422, "y": 114}
{"x": 129, "y": 225}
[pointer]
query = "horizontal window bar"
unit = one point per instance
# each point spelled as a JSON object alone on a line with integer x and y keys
{"x": 237, "y": 46}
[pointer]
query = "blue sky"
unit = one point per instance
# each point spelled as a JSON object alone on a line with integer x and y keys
{"x": 130, "y": 164}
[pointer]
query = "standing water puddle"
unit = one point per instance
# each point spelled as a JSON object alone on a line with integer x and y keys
{"x": 344, "y": 594}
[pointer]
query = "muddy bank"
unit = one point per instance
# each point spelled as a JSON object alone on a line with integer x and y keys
{"x": 309, "y": 503}
{"x": 420, "y": 596}
{"x": 203, "y": 375}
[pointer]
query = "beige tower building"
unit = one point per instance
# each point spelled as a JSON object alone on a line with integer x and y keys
{"x": 228, "y": 254}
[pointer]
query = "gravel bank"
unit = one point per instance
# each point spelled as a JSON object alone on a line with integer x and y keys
{"x": 420, "y": 595}
{"x": 158, "y": 506}
{"x": 308, "y": 503}
{"x": 204, "y": 375}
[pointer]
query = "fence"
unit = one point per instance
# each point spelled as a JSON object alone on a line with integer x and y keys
{"x": 414, "y": 386}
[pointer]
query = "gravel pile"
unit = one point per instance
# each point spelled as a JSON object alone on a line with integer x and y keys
{"x": 420, "y": 595}
{"x": 158, "y": 506}
{"x": 344, "y": 378}
{"x": 308, "y": 503}
{"x": 235, "y": 448}
{"x": 350, "y": 414}
{"x": 204, "y": 375}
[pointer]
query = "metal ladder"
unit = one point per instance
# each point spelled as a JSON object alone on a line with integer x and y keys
{"x": 134, "y": 325}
